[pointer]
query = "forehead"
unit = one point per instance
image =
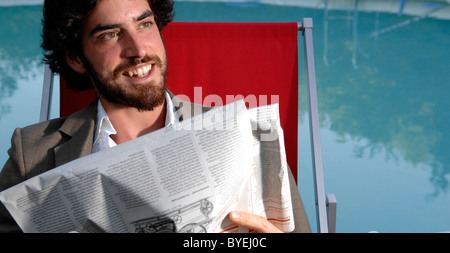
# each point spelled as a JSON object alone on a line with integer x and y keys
{"x": 116, "y": 12}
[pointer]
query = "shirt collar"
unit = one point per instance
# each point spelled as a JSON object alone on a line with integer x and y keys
{"x": 170, "y": 111}
{"x": 104, "y": 127}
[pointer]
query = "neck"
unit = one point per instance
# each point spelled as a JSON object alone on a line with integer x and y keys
{"x": 131, "y": 123}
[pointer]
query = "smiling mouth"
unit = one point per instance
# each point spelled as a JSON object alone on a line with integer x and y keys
{"x": 139, "y": 72}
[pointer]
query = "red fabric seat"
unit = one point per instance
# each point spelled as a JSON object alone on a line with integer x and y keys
{"x": 257, "y": 61}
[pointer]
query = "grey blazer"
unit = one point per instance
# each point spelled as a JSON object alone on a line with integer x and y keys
{"x": 41, "y": 147}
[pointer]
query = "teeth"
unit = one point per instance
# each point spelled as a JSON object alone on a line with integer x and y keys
{"x": 141, "y": 72}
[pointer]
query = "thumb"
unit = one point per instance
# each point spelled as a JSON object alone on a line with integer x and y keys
{"x": 251, "y": 221}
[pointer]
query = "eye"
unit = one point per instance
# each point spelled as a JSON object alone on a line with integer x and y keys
{"x": 110, "y": 35}
{"x": 147, "y": 24}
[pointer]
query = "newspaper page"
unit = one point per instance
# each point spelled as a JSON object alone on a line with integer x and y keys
{"x": 183, "y": 178}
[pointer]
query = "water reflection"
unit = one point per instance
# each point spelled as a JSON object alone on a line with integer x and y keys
{"x": 19, "y": 59}
{"x": 383, "y": 79}
{"x": 351, "y": 19}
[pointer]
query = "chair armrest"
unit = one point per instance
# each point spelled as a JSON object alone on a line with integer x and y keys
{"x": 332, "y": 210}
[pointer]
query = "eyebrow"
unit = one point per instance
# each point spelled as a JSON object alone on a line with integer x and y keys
{"x": 102, "y": 27}
{"x": 144, "y": 15}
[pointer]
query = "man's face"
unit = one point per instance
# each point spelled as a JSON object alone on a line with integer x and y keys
{"x": 124, "y": 54}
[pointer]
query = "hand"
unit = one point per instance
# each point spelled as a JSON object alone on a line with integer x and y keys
{"x": 255, "y": 222}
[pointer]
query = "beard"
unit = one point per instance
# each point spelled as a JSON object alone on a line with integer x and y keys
{"x": 144, "y": 97}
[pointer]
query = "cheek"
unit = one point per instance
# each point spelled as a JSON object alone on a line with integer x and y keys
{"x": 104, "y": 63}
{"x": 101, "y": 58}
{"x": 157, "y": 45}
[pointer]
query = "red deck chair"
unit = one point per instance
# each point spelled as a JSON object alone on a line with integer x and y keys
{"x": 257, "y": 62}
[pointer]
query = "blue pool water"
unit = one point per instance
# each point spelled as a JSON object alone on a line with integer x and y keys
{"x": 383, "y": 88}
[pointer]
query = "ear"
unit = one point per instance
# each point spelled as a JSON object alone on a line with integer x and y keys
{"x": 75, "y": 62}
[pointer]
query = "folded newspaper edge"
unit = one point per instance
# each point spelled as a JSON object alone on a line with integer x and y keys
{"x": 183, "y": 178}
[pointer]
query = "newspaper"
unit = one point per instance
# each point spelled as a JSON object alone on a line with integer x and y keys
{"x": 183, "y": 178}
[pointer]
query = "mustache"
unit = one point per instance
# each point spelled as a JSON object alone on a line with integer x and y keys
{"x": 118, "y": 71}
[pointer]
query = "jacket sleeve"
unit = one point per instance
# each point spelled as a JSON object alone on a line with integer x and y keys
{"x": 13, "y": 172}
{"x": 300, "y": 218}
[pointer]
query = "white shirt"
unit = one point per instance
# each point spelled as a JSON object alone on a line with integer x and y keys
{"x": 104, "y": 127}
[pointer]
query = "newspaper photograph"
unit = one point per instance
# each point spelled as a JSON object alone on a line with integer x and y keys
{"x": 183, "y": 178}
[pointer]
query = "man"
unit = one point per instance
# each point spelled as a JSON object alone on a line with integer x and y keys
{"x": 114, "y": 46}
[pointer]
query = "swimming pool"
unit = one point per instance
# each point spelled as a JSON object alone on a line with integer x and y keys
{"x": 383, "y": 91}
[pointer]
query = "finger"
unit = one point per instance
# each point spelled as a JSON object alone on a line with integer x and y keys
{"x": 255, "y": 222}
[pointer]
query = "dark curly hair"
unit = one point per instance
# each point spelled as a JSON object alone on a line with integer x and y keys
{"x": 62, "y": 23}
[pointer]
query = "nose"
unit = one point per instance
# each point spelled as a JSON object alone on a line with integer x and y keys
{"x": 133, "y": 46}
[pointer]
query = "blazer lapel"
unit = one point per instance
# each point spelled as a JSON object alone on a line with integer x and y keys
{"x": 79, "y": 129}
